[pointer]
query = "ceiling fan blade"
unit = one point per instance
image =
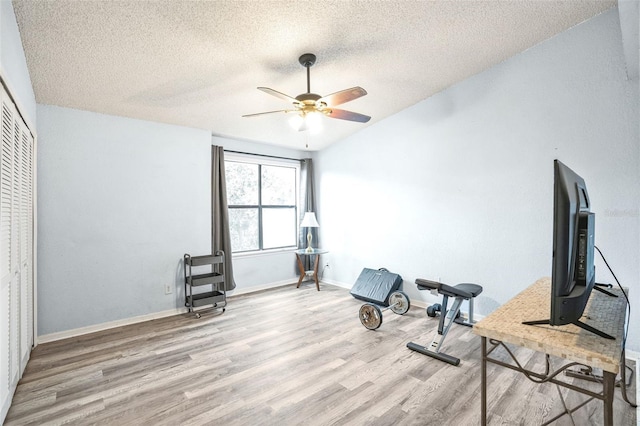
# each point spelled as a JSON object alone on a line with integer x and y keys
{"x": 269, "y": 112}
{"x": 343, "y": 96}
{"x": 348, "y": 115}
{"x": 278, "y": 95}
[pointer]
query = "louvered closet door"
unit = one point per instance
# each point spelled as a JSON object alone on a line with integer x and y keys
{"x": 26, "y": 252}
{"x": 16, "y": 248}
{"x": 6, "y": 173}
{"x": 14, "y": 287}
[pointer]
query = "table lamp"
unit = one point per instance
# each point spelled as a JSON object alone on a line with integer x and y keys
{"x": 309, "y": 221}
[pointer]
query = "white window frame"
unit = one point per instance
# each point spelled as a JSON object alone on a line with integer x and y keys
{"x": 269, "y": 161}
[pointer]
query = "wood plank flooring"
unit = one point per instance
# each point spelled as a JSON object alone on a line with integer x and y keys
{"x": 284, "y": 356}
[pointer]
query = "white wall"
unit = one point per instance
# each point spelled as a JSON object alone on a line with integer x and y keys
{"x": 120, "y": 201}
{"x": 460, "y": 186}
{"x": 262, "y": 270}
{"x": 13, "y": 64}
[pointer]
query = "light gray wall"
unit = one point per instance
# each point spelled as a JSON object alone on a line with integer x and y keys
{"x": 460, "y": 186}
{"x": 629, "y": 15}
{"x": 262, "y": 270}
{"x": 120, "y": 201}
{"x": 13, "y": 63}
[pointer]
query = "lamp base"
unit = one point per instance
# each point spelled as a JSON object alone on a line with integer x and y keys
{"x": 309, "y": 237}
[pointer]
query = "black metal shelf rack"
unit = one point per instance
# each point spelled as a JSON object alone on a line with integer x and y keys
{"x": 211, "y": 284}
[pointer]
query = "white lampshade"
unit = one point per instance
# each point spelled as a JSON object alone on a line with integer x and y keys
{"x": 309, "y": 220}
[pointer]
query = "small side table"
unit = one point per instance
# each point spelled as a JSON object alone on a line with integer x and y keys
{"x": 313, "y": 273}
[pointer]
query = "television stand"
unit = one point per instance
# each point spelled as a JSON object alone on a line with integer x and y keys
{"x": 593, "y": 330}
{"x": 600, "y": 288}
{"x": 576, "y": 323}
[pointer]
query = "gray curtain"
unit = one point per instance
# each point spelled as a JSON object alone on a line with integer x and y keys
{"x": 220, "y": 236}
{"x": 308, "y": 204}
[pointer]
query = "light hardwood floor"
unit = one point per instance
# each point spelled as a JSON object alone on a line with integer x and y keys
{"x": 285, "y": 356}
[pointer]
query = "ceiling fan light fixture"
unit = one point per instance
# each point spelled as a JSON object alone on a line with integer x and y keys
{"x": 296, "y": 121}
{"x": 309, "y": 120}
{"x": 314, "y": 121}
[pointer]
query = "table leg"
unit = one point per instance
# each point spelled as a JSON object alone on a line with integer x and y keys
{"x": 483, "y": 383}
{"x": 315, "y": 271}
{"x": 608, "y": 388}
{"x": 301, "y": 269}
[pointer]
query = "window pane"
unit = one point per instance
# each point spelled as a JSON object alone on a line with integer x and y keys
{"x": 278, "y": 227}
{"x": 278, "y": 186}
{"x": 243, "y": 226}
{"x": 242, "y": 183}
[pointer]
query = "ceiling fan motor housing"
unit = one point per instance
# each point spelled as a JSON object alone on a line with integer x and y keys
{"x": 308, "y": 97}
{"x": 307, "y": 59}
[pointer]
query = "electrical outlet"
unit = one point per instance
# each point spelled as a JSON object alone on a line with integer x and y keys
{"x": 168, "y": 289}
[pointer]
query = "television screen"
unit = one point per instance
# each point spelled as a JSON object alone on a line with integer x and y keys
{"x": 573, "y": 269}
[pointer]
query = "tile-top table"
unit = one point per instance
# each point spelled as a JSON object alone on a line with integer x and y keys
{"x": 570, "y": 342}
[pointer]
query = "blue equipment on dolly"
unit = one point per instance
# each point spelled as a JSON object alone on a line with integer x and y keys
{"x": 379, "y": 287}
{"x": 375, "y": 286}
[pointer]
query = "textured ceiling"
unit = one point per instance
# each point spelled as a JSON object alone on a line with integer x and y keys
{"x": 198, "y": 63}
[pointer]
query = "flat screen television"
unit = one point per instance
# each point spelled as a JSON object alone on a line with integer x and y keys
{"x": 573, "y": 270}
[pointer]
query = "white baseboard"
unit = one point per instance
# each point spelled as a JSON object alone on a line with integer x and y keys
{"x": 253, "y": 289}
{"x": 6, "y": 404}
{"x": 52, "y": 337}
{"x": 336, "y": 283}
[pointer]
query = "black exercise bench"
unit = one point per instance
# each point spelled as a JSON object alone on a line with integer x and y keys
{"x": 460, "y": 292}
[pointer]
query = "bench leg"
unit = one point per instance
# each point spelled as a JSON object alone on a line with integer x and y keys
{"x": 433, "y": 350}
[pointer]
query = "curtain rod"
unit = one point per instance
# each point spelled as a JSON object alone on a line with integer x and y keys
{"x": 263, "y": 155}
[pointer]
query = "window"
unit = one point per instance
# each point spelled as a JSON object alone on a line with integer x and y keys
{"x": 263, "y": 202}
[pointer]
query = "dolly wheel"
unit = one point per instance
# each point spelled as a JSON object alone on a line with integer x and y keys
{"x": 370, "y": 316}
